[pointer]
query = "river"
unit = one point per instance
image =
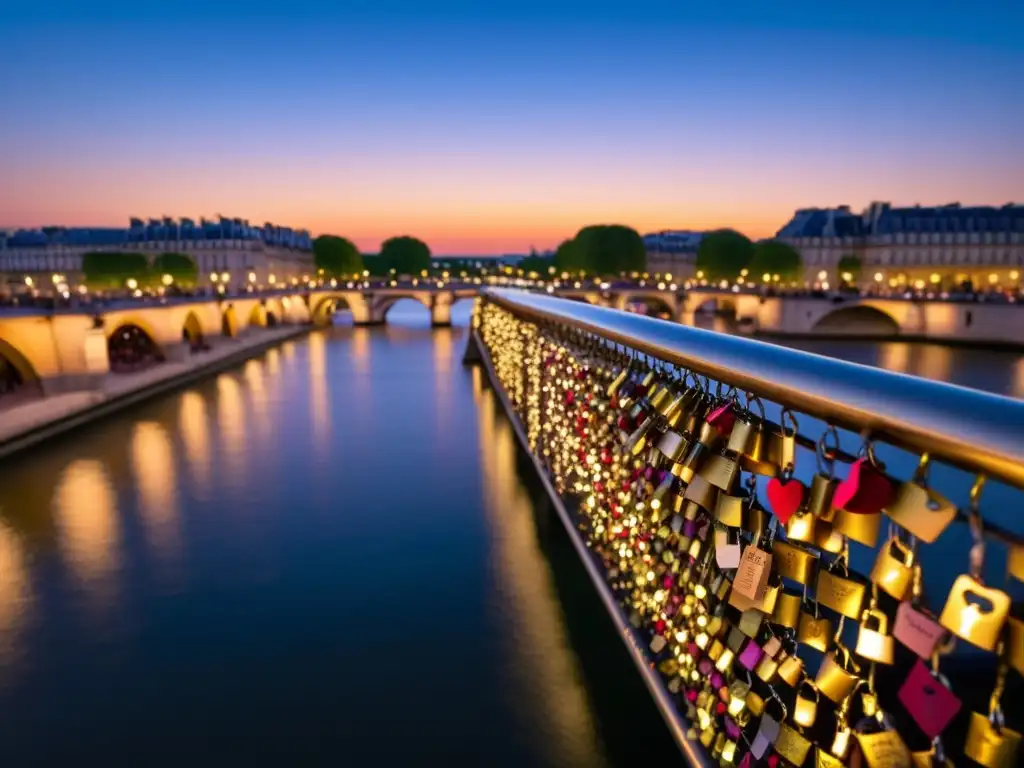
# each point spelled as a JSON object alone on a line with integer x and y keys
{"x": 330, "y": 555}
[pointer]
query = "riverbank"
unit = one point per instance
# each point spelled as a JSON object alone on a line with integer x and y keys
{"x": 35, "y": 421}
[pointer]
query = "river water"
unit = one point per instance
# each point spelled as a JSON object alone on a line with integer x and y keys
{"x": 330, "y": 555}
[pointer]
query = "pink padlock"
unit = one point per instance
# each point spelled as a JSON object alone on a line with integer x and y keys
{"x": 916, "y": 630}
{"x": 932, "y": 705}
{"x": 751, "y": 655}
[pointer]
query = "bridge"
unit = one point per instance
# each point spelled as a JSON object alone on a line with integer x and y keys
{"x": 651, "y": 440}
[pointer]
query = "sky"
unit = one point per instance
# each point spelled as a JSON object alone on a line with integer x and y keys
{"x": 496, "y": 126}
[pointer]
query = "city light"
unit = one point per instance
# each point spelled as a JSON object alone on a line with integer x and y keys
{"x": 935, "y": 278}
{"x": 1014, "y": 274}
{"x": 252, "y": 277}
{"x": 823, "y": 275}
{"x": 167, "y": 279}
{"x": 28, "y": 281}
{"x": 993, "y": 278}
{"x": 847, "y": 276}
{"x": 214, "y": 278}
{"x": 132, "y": 283}
{"x": 879, "y": 277}
{"x": 225, "y": 277}
{"x": 271, "y": 278}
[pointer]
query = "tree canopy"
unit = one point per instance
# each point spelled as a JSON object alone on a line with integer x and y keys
{"x": 771, "y": 257}
{"x": 608, "y": 249}
{"x": 337, "y": 256}
{"x": 536, "y": 263}
{"x": 722, "y": 254}
{"x": 568, "y": 257}
{"x": 406, "y": 255}
{"x": 374, "y": 264}
{"x": 179, "y": 266}
{"x": 110, "y": 270}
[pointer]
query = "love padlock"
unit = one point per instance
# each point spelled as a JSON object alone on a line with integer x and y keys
{"x": 917, "y": 630}
{"x": 873, "y": 641}
{"x": 785, "y": 496}
{"x": 931, "y": 703}
{"x": 975, "y": 612}
{"x": 865, "y": 490}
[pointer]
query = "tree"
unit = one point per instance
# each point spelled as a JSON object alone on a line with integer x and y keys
{"x": 771, "y": 257}
{"x": 110, "y": 270}
{"x": 608, "y": 249}
{"x": 568, "y": 257}
{"x": 374, "y": 264}
{"x": 179, "y": 266}
{"x": 851, "y": 264}
{"x": 722, "y": 254}
{"x": 406, "y": 255}
{"x": 336, "y": 256}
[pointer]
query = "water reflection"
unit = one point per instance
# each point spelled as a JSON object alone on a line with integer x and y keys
{"x": 85, "y": 508}
{"x": 195, "y": 433}
{"x": 538, "y": 637}
{"x": 231, "y": 425}
{"x": 894, "y": 356}
{"x": 155, "y": 476}
{"x": 15, "y": 594}
{"x": 443, "y": 376}
{"x": 319, "y": 403}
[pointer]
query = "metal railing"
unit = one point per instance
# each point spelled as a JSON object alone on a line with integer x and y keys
{"x": 976, "y": 431}
{"x": 978, "y": 436}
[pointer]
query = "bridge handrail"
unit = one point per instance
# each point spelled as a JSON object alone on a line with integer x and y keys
{"x": 976, "y": 431}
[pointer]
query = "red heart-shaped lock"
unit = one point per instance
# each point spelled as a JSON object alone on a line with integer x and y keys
{"x": 865, "y": 491}
{"x": 785, "y": 497}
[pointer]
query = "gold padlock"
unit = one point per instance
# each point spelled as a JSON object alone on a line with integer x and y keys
{"x": 801, "y": 527}
{"x": 794, "y": 562}
{"x": 735, "y": 640}
{"x": 1015, "y": 562}
{"x": 893, "y": 571}
{"x": 841, "y": 740}
{"x": 716, "y": 649}
{"x": 837, "y": 677}
{"x": 701, "y": 492}
{"x": 724, "y": 663}
{"x": 720, "y": 471}
{"x": 730, "y": 509}
{"x": 1015, "y": 643}
{"x": 883, "y": 749}
{"x": 791, "y": 670}
{"x": 755, "y": 704}
{"x": 919, "y": 509}
{"x": 767, "y": 668}
{"x": 738, "y": 690}
{"x": 827, "y": 539}
{"x": 823, "y": 759}
{"x": 814, "y": 631}
{"x": 990, "y": 745}
{"x": 755, "y": 520}
{"x": 707, "y": 737}
{"x": 805, "y": 710}
{"x": 840, "y": 593}
{"x": 787, "y": 609}
{"x": 857, "y": 527}
{"x": 964, "y": 617}
{"x": 873, "y": 640}
{"x": 782, "y": 445}
{"x": 792, "y": 745}
{"x": 739, "y": 438}
{"x": 750, "y": 622}
{"x": 765, "y": 605}
{"x": 930, "y": 760}
{"x": 819, "y": 497}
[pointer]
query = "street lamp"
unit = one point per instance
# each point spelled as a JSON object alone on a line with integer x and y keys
{"x": 252, "y": 277}
{"x": 167, "y": 280}
{"x": 213, "y": 277}
{"x": 132, "y": 283}
{"x": 28, "y": 281}
{"x": 225, "y": 277}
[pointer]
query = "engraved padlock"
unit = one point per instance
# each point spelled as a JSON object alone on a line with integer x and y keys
{"x": 794, "y": 562}
{"x": 730, "y": 509}
{"x": 814, "y": 630}
{"x": 873, "y": 640}
{"x": 739, "y": 438}
{"x": 767, "y": 669}
{"x": 701, "y": 492}
{"x": 791, "y": 670}
{"x": 975, "y": 612}
{"x": 893, "y": 571}
{"x": 787, "y": 609}
{"x": 792, "y": 745}
{"x": 862, "y": 528}
{"x": 839, "y": 592}
{"x": 722, "y": 471}
{"x": 805, "y": 709}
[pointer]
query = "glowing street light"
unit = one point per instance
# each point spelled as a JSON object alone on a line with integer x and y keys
{"x": 132, "y": 283}
{"x": 252, "y": 277}
{"x": 225, "y": 277}
{"x": 879, "y": 277}
{"x": 28, "y": 281}
{"x": 167, "y": 280}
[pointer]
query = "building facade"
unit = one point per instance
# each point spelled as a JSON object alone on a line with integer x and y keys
{"x": 940, "y": 247}
{"x": 673, "y": 251}
{"x": 228, "y": 251}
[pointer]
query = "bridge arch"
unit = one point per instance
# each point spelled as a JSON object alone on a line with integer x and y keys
{"x": 326, "y": 307}
{"x": 229, "y": 322}
{"x": 131, "y": 347}
{"x": 258, "y": 316}
{"x": 274, "y": 312}
{"x": 383, "y": 304}
{"x": 856, "y": 319}
{"x": 192, "y": 331}
{"x": 17, "y": 374}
